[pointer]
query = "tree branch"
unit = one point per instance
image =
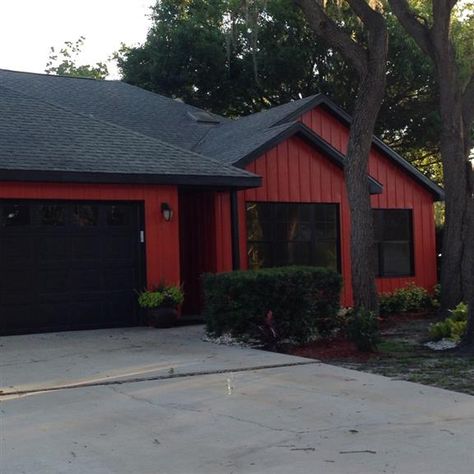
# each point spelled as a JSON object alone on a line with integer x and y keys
{"x": 327, "y": 29}
{"x": 370, "y": 17}
{"x": 420, "y": 32}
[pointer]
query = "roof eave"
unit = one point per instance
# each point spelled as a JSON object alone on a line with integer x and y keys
{"x": 234, "y": 182}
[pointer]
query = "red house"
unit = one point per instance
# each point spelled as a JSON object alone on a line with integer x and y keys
{"x": 106, "y": 188}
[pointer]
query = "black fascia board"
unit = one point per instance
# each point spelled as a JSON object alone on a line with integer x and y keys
{"x": 343, "y": 116}
{"x": 52, "y": 176}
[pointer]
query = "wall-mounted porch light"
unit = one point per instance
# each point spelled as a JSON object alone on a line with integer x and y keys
{"x": 166, "y": 211}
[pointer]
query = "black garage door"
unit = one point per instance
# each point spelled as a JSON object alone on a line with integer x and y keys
{"x": 68, "y": 265}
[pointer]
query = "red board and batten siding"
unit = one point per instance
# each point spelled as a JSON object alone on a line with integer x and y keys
{"x": 294, "y": 172}
{"x": 161, "y": 237}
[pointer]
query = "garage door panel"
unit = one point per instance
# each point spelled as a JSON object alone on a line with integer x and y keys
{"x": 52, "y": 248}
{"x": 86, "y": 247}
{"x": 15, "y": 287}
{"x": 119, "y": 246}
{"x": 53, "y": 281}
{"x": 89, "y": 313}
{"x": 51, "y": 315}
{"x": 85, "y": 280}
{"x": 68, "y": 265}
{"x": 119, "y": 278}
{"x": 15, "y": 318}
{"x": 16, "y": 250}
{"x": 116, "y": 304}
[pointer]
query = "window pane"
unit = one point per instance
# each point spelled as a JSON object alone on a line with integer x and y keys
{"x": 325, "y": 230}
{"x": 325, "y": 255}
{"x": 52, "y": 215}
{"x": 392, "y": 224}
{"x": 325, "y": 212}
{"x": 299, "y": 212}
{"x": 396, "y": 258}
{"x": 292, "y": 253}
{"x": 282, "y": 213}
{"x": 292, "y": 234}
{"x": 393, "y": 234}
{"x": 85, "y": 215}
{"x": 117, "y": 215}
{"x": 379, "y": 225}
{"x": 259, "y": 255}
{"x": 15, "y": 215}
{"x": 292, "y": 231}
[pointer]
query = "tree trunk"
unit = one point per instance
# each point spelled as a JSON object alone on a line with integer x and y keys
{"x": 363, "y": 251}
{"x": 369, "y": 60}
{"x": 456, "y": 270}
{"x": 456, "y": 187}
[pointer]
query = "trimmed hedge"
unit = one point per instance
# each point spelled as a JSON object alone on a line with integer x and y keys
{"x": 303, "y": 301}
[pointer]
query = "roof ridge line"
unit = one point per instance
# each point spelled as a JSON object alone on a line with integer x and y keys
{"x": 45, "y": 74}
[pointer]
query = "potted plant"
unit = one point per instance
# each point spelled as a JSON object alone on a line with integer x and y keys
{"x": 161, "y": 305}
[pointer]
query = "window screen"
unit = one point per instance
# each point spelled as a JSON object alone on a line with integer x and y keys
{"x": 394, "y": 239}
{"x": 292, "y": 234}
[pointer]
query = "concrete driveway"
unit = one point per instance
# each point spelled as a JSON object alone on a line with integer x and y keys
{"x": 147, "y": 401}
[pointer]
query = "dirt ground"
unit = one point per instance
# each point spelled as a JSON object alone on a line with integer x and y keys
{"x": 401, "y": 355}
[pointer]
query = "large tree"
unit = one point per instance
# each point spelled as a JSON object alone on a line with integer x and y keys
{"x": 236, "y": 57}
{"x": 446, "y": 36}
{"x": 367, "y": 54}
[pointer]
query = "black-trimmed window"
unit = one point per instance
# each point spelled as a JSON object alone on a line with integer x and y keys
{"x": 394, "y": 239}
{"x": 281, "y": 234}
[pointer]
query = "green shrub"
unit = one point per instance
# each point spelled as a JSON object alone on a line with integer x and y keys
{"x": 453, "y": 327}
{"x": 302, "y": 302}
{"x": 162, "y": 296}
{"x": 404, "y": 300}
{"x": 363, "y": 329}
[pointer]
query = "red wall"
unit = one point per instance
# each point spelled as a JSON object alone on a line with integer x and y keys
{"x": 205, "y": 238}
{"x": 161, "y": 237}
{"x": 223, "y": 233}
{"x": 294, "y": 172}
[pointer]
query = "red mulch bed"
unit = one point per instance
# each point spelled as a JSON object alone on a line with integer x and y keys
{"x": 331, "y": 349}
{"x": 340, "y": 347}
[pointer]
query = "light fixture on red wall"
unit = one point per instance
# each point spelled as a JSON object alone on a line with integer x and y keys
{"x": 166, "y": 211}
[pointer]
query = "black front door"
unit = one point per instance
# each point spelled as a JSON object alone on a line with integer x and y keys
{"x": 69, "y": 265}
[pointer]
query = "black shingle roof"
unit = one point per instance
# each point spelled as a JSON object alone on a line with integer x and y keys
{"x": 115, "y": 102}
{"x": 38, "y": 137}
{"x": 173, "y": 124}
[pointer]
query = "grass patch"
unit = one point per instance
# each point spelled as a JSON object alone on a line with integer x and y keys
{"x": 403, "y": 356}
{"x": 391, "y": 346}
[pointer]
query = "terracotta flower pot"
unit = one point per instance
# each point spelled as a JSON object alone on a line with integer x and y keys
{"x": 161, "y": 317}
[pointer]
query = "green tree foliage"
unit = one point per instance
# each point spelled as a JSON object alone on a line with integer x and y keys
{"x": 236, "y": 57}
{"x": 64, "y": 62}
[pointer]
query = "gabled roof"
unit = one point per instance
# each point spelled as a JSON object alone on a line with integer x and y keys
{"x": 341, "y": 115}
{"x": 218, "y": 142}
{"x": 246, "y": 137}
{"x": 39, "y": 140}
